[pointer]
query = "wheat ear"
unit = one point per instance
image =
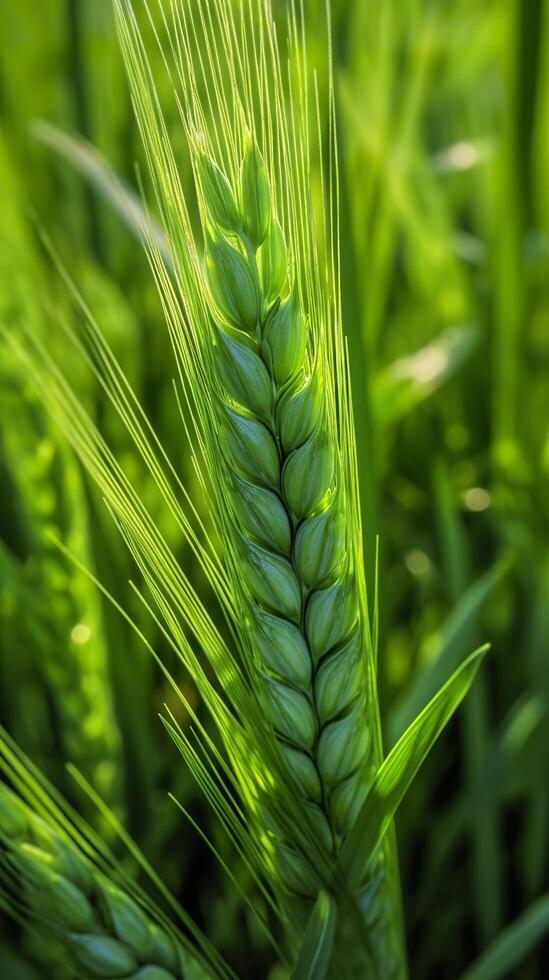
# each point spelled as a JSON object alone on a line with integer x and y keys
{"x": 103, "y": 930}
{"x": 288, "y": 521}
{"x": 288, "y": 505}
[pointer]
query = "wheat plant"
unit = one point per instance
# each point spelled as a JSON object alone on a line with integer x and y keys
{"x": 290, "y": 524}
{"x": 250, "y": 287}
{"x": 103, "y": 929}
{"x": 85, "y": 917}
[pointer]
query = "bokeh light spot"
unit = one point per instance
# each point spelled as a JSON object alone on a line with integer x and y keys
{"x": 80, "y": 634}
{"x": 476, "y": 499}
{"x": 417, "y": 562}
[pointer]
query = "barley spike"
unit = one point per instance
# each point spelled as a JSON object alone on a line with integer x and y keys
{"x": 285, "y": 481}
{"x": 287, "y": 504}
{"x": 101, "y": 928}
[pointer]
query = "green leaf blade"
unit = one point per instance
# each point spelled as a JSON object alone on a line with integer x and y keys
{"x": 512, "y": 946}
{"x": 316, "y": 949}
{"x": 399, "y": 768}
{"x": 429, "y": 678}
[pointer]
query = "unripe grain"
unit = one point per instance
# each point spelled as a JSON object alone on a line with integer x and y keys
{"x": 338, "y": 679}
{"x": 101, "y": 955}
{"x": 303, "y": 770}
{"x": 308, "y": 474}
{"x": 255, "y": 196}
{"x": 319, "y": 545}
{"x": 262, "y": 512}
{"x": 127, "y": 920}
{"x": 272, "y": 580}
{"x": 291, "y": 713}
{"x": 331, "y": 614}
{"x": 218, "y": 195}
{"x": 285, "y": 338}
{"x": 251, "y": 448}
{"x": 244, "y": 375}
{"x": 342, "y": 746}
{"x": 104, "y": 931}
{"x": 285, "y": 478}
{"x": 272, "y": 262}
{"x": 233, "y": 285}
{"x": 298, "y": 414}
{"x": 282, "y": 647}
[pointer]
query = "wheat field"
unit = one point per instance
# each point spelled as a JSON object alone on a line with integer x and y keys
{"x": 274, "y": 471}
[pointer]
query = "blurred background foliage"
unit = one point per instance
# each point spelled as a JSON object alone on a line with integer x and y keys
{"x": 443, "y": 115}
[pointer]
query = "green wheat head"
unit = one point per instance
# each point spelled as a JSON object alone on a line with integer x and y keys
{"x": 250, "y": 292}
{"x": 288, "y": 512}
{"x": 264, "y": 364}
{"x": 285, "y": 526}
{"x": 102, "y": 930}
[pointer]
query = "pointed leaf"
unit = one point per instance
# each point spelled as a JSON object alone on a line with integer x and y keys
{"x": 98, "y": 172}
{"x": 399, "y": 768}
{"x": 316, "y": 950}
{"x": 450, "y": 651}
{"x": 511, "y": 947}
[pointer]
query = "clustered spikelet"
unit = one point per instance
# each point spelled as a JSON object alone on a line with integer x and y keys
{"x": 103, "y": 931}
{"x": 288, "y": 507}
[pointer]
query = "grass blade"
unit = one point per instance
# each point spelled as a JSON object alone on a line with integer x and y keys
{"x": 316, "y": 951}
{"x": 512, "y": 945}
{"x": 93, "y": 167}
{"x": 439, "y": 667}
{"x": 400, "y": 767}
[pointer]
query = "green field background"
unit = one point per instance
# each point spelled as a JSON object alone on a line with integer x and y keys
{"x": 443, "y": 138}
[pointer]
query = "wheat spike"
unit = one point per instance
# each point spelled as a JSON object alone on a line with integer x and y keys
{"x": 305, "y": 630}
{"x": 103, "y": 931}
{"x": 288, "y": 523}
